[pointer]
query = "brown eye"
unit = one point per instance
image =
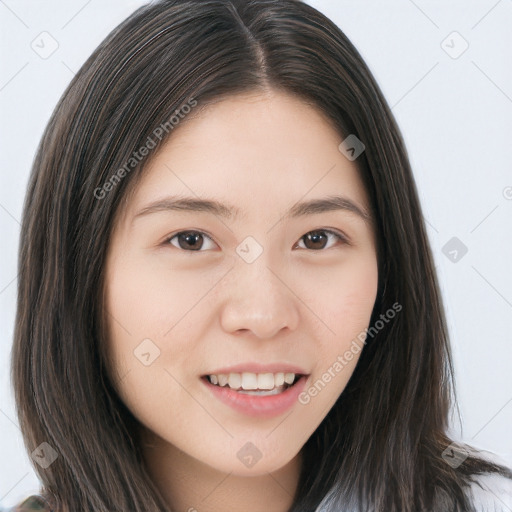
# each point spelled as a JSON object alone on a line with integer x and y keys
{"x": 318, "y": 239}
{"x": 189, "y": 240}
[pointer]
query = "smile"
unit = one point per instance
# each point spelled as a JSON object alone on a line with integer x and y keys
{"x": 245, "y": 393}
{"x": 261, "y": 384}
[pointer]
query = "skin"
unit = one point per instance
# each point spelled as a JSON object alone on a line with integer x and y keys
{"x": 296, "y": 303}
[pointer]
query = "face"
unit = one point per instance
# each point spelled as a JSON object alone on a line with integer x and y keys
{"x": 256, "y": 288}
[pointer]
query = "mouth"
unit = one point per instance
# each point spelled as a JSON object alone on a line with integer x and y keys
{"x": 256, "y": 384}
{"x": 261, "y": 395}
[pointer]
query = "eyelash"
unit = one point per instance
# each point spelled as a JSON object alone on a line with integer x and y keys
{"x": 341, "y": 238}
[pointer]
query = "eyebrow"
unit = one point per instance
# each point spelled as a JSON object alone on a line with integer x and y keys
{"x": 194, "y": 204}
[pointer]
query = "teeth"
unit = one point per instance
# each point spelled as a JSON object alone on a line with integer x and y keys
{"x": 274, "y": 391}
{"x": 252, "y": 381}
{"x": 288, "y": 377}
{"x": 265, "y": 381}
{"x": 247, "y": 381}
{"x": 235, "y": 381}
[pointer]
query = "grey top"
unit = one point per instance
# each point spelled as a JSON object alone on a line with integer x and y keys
{"x": 489, "y": 493}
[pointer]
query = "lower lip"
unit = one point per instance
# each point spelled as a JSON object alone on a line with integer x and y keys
{"x": 259, "y": 406}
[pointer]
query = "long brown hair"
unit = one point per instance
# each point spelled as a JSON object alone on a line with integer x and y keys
{"x": 380, "y": 447}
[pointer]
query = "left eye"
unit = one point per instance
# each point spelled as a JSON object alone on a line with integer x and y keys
{"x": 317, "y": 238}
{"x": 191, "y": 240}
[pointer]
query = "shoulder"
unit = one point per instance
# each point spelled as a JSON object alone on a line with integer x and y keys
{"x": 30, "y": 504}
{"x": 490, "y": 492}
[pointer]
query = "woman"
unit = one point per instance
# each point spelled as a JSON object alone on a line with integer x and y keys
{"x": 224, "y": 274}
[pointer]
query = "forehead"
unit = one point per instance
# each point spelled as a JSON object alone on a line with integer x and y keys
{"x": 256, "y": 152}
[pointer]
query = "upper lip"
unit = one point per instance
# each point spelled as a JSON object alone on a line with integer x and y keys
{"x": 260, "y": 368}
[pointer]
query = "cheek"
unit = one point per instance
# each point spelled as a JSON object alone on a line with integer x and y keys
{"x": 356, "y": 300}
{"x": 142, "y": 307}
{"x": 148, "y": 300}
{"x": 134, "y": 306}
{"x": 136, "y": 296}
{"x": 348, "y": 296}
{"x": 150, "y": 310}
{"x": 345, "y": 310}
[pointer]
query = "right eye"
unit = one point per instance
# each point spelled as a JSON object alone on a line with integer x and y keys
{"x": 189, "y": 241}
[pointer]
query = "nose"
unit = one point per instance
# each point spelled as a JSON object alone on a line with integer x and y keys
{"x": 258, "y": 299}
